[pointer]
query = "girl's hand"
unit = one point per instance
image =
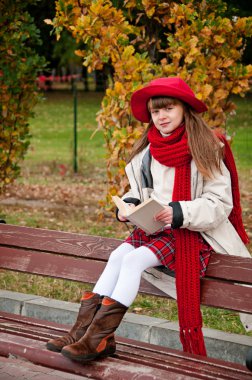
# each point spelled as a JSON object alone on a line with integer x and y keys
{"x": 123, "y": 218}
{"x": 165, "y": 215}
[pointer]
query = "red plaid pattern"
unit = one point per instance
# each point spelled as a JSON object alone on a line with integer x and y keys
{"x": 163, "y": 245}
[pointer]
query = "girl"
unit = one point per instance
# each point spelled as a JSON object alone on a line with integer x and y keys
{"x": 178, "y": 161}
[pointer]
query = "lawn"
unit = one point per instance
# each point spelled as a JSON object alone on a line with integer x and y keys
{"x": 239, "y": 127}
{"x": 52, "y": 132}
{"x": 49, "y": 195}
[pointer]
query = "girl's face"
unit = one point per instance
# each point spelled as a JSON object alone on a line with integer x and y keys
{"x": 167, "y": 114}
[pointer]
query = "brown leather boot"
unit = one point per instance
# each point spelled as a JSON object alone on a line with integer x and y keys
{"x": 98, "y": 340}
{"x": 90, "y": 303}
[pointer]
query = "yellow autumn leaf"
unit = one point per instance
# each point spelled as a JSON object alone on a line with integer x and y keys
{"x": 118, "y": 87}
{"x": 177, "y": 55}
{"x": 219, "y": 39}
{"x": 128, "y": 52}
{"x": 249, "y": 70}
{"x": 199, "y": 95}
{"x": 79, "y": 52}
{"x": 129, "y": 3}
{"x": 228, "y": 62}
{"x": 240, "y": 23}
{"x": 206, "y": 31}
{"x": 150, "y": 12}
{"x": 48, "y": 21}
{"x": 221, "y": 94}
{"x": 206, "y": 90}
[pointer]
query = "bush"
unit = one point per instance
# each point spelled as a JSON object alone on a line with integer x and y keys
{"x": 19, "y": 66}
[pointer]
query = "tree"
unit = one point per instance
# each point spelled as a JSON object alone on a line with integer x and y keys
{"x": 19, "y": 65}
{"x": 145, "y": 39}
{"x": 39, "y": 11}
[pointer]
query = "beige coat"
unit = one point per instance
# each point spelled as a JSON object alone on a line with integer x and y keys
{"x": 208, "y": 210}
{"x": 207, "y": 213}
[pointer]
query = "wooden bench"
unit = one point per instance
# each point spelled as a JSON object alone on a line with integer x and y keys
{"x": 82, "y": 258}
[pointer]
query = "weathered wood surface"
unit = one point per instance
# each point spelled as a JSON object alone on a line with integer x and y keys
{"x": 82, "y": 258}
{"x": 98, "y": 248}
{"x": 64, "y": 243}
{"x": 14, "y": 368}
{"x": 26, "y": 337}
{"x": 57, "y": 266}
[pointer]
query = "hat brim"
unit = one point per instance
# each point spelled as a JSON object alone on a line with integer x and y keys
{"x": 140, "y": 98}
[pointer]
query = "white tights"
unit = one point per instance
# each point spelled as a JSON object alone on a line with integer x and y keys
{"x": 121, "y": 277}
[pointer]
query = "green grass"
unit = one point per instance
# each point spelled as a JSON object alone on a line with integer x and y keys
{"x": 78, "y": 196}
{"x": 240, "y": 128}
{"x": 52, "y": 131}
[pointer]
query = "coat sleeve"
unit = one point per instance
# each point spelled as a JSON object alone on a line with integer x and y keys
{"x": 212, "y": 207}
{"x": 133, "y": 195}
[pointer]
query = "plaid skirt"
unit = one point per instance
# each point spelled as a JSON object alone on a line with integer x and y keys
{"x": 162, "y": 244}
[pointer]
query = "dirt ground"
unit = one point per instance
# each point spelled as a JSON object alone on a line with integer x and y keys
{"x": 70, "y": 203}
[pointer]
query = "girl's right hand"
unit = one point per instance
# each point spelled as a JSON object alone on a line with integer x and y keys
{"x": 165, "y": 215}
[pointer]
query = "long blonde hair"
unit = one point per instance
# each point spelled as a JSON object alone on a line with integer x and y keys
{"x": 204, "y": 146}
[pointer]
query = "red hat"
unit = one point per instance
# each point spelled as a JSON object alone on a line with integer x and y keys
{"x": 173, "y": 87}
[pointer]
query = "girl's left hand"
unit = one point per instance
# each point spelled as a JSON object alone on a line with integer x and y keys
{"x": 165, "y": 215}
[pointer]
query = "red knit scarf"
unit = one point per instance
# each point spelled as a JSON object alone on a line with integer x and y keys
{"x": 173, "y": 151}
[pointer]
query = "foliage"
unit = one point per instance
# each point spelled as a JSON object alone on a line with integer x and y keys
{"x": 39, "y": 11}
{"x": 145, "y": 39}
{"x": 18, "y": 71}
{"x": 63, "y": 52}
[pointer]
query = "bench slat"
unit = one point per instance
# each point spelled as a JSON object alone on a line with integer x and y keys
{"x": 46, "y": 264}
{"x": 56, "y": 241}
{"x": 233, "y": 268}
{"x": 201, "y": 368}
{"x": 70, "y": 268}
{"x": 226, "y": 295}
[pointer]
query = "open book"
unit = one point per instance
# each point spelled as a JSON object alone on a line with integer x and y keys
{"x": 142, "y": 215}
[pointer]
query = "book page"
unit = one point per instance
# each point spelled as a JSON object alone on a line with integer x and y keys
{"x": 142, "y": 215}
{"x": 122, "y": 206}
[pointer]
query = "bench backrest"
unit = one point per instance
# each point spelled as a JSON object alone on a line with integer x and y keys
{"x": 82, "y": 258}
